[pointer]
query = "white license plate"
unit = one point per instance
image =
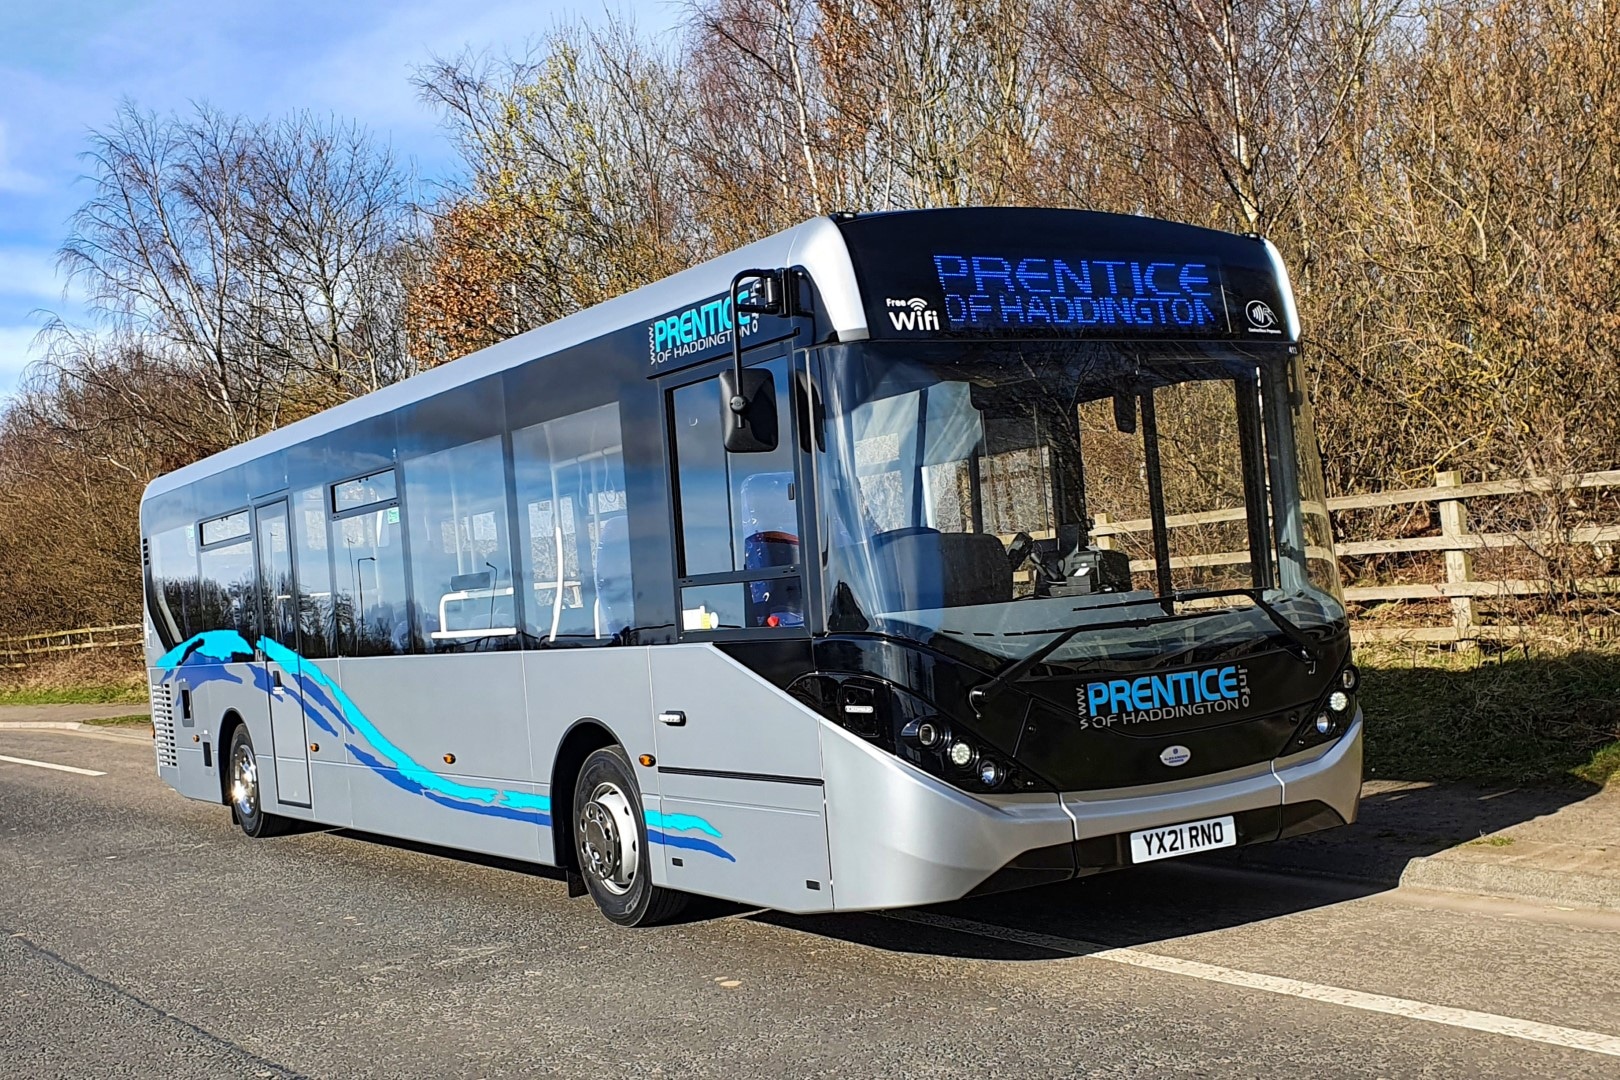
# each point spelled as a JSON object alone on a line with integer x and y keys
{"x": 1183, "y": 839}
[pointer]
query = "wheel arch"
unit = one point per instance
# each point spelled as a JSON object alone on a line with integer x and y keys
{"x": 586, "y": 736}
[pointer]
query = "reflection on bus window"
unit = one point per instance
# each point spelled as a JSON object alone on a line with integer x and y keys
{"x": 174, "y": 580}
{"x": 226, "y": 593}
{"x": 737, "y": 512}
{"x": 461, "y": 561}
{"x": 317, "y": 629}
{"x": 575, "y": 537}
{"x": 373, "y": 618}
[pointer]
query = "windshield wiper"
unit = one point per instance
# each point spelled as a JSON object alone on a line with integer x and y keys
{"x": 1012, "y": 673}
{"x": 1290, "y": 630}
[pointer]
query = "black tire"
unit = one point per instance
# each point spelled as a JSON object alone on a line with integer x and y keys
{"x": 607, "y": 806}
{"x": 243, "y": 791}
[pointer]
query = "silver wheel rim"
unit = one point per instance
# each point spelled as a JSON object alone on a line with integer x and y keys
{"x": 609, "y": 843}
{"x": 244, "y": 781}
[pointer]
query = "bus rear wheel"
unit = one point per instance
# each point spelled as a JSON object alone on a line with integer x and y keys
{"x": 610, "y": 841}
{"x": 244, "y": 791}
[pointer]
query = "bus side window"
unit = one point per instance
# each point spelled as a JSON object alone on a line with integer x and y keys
{"x": 174, "y": 579}
{"x": 317, "y": 632}
{"x": 461, "y": 559}
{"x": 575, "y": 538}
{"x": 738, "y": 512}
{"x": 369, "y": 593}
{"x": 228, "y": 582}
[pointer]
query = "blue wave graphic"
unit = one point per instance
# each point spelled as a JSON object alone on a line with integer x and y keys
{"x": 203, "y": 656}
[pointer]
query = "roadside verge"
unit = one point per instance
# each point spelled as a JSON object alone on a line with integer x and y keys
{"x": 1556, "y": 845}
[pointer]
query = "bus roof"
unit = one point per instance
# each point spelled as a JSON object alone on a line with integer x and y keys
{"x": 895, "y": 248}
{"x": 816, "y": 245}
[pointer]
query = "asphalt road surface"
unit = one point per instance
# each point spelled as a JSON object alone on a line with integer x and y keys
{"x": 142, "y": 935}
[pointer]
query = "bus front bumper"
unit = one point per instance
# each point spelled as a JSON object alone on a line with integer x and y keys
{"x": 909, "y": 839}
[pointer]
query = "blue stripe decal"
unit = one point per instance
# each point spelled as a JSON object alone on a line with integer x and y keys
{"x": 680, "y": 823}
{"x": 690, "y": 843}
{"x": 530, "y": 816}
{"x": 203, "y": 655}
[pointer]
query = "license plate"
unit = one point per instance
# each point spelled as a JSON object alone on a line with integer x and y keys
{"x": 1184, "y": 839}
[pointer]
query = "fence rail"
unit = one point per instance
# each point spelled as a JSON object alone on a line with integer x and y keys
{"x": 19, "y": 651}
{"x": 1456, "y": 545}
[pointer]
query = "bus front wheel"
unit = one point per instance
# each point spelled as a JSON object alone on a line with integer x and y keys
{"x": 244, "y": 792}
{"x": 610, "y": 841}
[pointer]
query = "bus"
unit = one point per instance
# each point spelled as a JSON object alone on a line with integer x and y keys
{"x": 895, "y": 558}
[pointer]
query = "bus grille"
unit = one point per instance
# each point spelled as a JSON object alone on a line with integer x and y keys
{"x": 163, "y": 725}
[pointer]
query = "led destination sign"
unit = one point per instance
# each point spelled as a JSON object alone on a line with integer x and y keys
{"x": 998, "y": 292}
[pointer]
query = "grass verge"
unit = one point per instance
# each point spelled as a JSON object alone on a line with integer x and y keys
{"x": 87, "y": 677}
{"x": 1523, "y": 716}
{"x": 73, "y": 695}
{"x": 133, "y": 720}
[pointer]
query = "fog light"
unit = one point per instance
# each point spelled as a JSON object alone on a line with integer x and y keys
{"x": 930, "y": 734}
{"x": 1324, "y": 724}
{"x": 961, "y": 755}
{"x": 1349, "y": 677}
{"x": 991, "y": 774}
{"x": 1338, "y": 701}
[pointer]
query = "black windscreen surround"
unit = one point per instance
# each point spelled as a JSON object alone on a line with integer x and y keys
{"x": 1033, "y": 273}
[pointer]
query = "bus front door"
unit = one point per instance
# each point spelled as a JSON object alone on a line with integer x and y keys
{"x": 279, "y": 596}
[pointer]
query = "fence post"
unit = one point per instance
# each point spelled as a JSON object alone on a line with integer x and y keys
{"x": 1108, "y": 542}
{"x": 1459, "y": 560}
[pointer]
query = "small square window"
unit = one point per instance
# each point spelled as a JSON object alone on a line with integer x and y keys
{"x": 363, "y": 491}
{"x": 220, "y": 529}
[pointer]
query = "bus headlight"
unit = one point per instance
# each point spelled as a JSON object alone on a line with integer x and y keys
{"x": 990, "y": 774}
{"x": 1338, "y": 701}
{"x": 930, "y": 734}
{"x": 1324, "y": 724}
{"x": 1350, "y": 678}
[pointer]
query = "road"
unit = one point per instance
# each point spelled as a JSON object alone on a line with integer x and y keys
{"x": 142, "y": 935}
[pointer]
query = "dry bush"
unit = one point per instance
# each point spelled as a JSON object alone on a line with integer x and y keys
{"x": 118, "y": 672}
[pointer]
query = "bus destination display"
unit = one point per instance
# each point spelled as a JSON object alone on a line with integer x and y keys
{"x": 1041, "y": 293}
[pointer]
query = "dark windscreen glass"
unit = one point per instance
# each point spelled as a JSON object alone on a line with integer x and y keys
{"x": 994, "y": 494}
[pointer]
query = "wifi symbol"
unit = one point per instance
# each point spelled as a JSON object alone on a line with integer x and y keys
{"x": 917, "y": 303}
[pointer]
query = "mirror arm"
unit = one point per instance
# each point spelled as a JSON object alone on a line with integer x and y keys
{"x": 738, "y": 403}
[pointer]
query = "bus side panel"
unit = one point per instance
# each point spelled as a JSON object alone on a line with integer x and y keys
{"x": 607, "y": 687}
{"x": 740, "y": 772}
{"x": 218, "y": 690}
{"x": 329, "y": 760}
{"x": 438, "y": 751}
{"x": 759, "y": 842}
{"x": 178, "y": 737}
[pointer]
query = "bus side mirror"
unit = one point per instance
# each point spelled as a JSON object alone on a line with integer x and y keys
{"x": 752, "y": 428}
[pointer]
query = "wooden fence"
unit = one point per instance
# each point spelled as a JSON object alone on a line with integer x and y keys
{"x": 1455, "y": 544}
{"x": 19, "y": 651}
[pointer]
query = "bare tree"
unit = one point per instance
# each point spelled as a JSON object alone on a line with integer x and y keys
{"x": 253, "y": 257}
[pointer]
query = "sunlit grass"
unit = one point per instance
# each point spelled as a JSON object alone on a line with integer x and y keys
{"x": 1530, "y": 714}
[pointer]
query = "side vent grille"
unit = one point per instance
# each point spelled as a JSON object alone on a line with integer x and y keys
{"x": 163, "y": 725}
{"x": 146, "y": 552}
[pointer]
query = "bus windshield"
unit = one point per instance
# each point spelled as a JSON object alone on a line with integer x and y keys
{"x": 987, "y": 497}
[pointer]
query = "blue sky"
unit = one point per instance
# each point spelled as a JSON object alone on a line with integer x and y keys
{"x": 66, "y": 64}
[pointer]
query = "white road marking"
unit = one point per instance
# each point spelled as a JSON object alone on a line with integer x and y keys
{"x": 1531, "y": 1030}
{"x": 49, "y": 765}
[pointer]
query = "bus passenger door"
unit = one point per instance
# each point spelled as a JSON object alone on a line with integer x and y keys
{"x": 740, "y": 809}
{"x": 279, "y": 595}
